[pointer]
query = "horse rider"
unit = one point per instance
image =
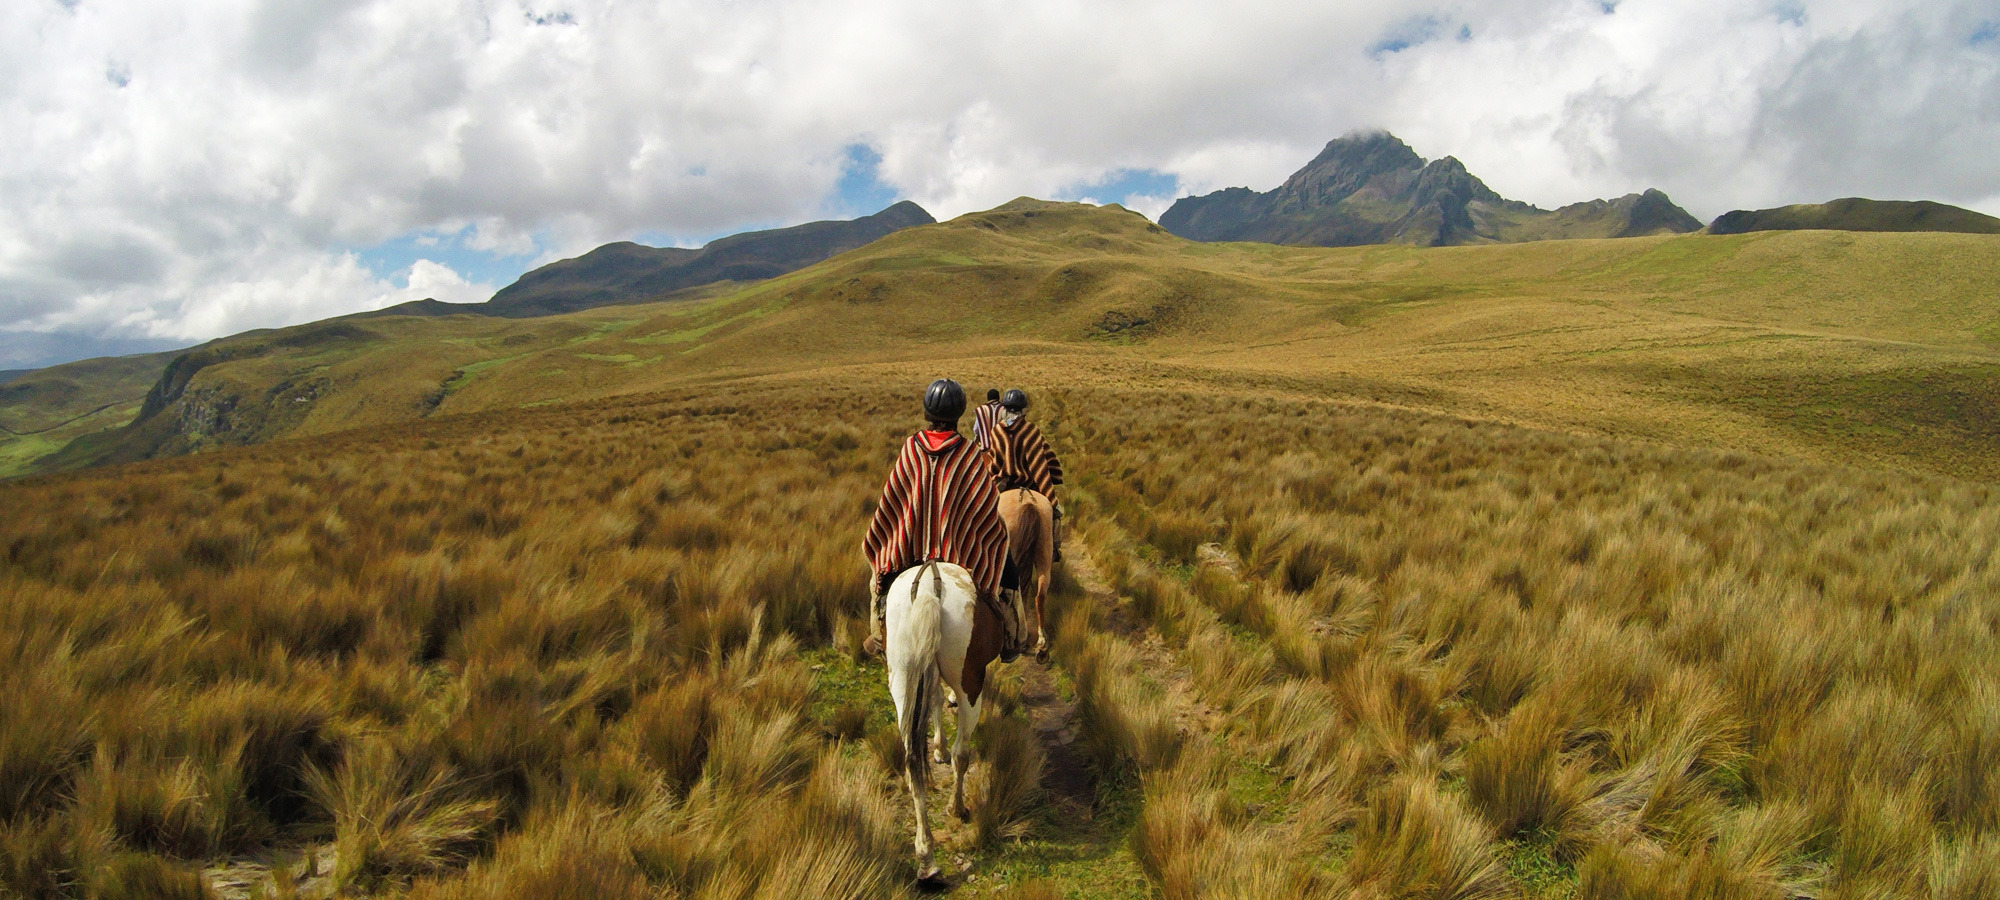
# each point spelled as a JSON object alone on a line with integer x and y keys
{"x": 1022, "y": 458}
{"x": 985, "y": 418}
{"x": 940, "y": 503}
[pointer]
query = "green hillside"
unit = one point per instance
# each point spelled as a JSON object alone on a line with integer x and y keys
{"x": 1874, "y": 348}
{"x": 43, "y": 410}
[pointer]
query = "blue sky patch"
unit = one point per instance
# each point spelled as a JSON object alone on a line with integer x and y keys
{"x": 1406, "y": 34}
{"x": 391, "y": 259}
{"x": 1122, "y": 184}
{"x": 1986, "y": 33}
{"x": 860, "y": 191}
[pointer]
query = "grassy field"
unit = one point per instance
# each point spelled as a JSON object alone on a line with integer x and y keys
{"x": 1654, "y": 568}
{"x": 1329, "y": 649}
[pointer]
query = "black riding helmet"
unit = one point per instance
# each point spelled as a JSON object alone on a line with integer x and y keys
{"x": 992, "y": 394}
{"x": 944, "y": 401}
{"x": 1015, "y": 400}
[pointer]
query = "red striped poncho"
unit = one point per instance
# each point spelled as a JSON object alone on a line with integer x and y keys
{"x": 1023, "y": 459}
{"x": 984, "y": 420}
{"x": 940, "y": 504}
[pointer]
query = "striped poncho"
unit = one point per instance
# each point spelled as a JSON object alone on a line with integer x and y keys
{"x": 940, "y": 504}
{"x": 1022, "y": 458}
{"x": 984, "y": 419}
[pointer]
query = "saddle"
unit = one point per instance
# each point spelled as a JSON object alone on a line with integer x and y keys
{"x": 1006, "y": 608}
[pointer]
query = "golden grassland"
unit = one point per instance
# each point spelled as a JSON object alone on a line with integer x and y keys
{"x": 567, "y": 643}
{"x": 1490, "y": 661}
{"x": 605, "y": 649}
{"x": 1829, "y": 346}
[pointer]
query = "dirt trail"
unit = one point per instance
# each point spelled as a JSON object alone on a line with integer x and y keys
{"x": 247, "y": 879}
{"x": 1162, "y": 663}
{"x": 1066, "y": 775}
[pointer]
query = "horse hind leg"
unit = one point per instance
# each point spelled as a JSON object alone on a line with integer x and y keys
{"x": 1044, "y": 567}
{"x": 945, "y": 691}
{"x": 1041, "y": 627}
{"x": 917, "y": 770}
{"x": 927, "y": 868}
{"x": 961, "y": 758}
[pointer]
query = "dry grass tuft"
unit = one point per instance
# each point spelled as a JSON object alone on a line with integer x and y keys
{"x": 1008, "y": 779}
{"x": 1415, "y": 841}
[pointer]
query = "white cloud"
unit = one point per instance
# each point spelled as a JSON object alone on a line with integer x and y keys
{"x": 191, "y": 168}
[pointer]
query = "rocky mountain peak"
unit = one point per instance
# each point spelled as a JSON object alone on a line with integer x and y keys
{"x": 1371, "y": 188}
{"x": 1347, "y": 164}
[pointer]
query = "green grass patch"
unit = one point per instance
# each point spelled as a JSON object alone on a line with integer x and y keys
{"x": 1532, "y": 862}
{"x": 18, "y": 454}
{"x": 602, "y": 329}
{"x": 1260, "y": 789}
{"x": 1083, "y": 856}
{"x": 840, "y": 683}
{"x": 470, "y": 371}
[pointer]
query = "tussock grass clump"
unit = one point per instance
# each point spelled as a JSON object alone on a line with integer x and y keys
{"x": 139, "y": 877}
{"x": 1416, "y": 841}
{"x": 1127, "y": 721}
{"x": 1197, "y": 840}
{"x": 395, "y": 816}
{"x": 1514, "y": 777}
{"x": 1009, "y": 783}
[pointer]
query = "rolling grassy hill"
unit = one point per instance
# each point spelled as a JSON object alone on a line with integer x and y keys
{"x": 1857, "y": 214}
{"x": 43, "y": 410}
{"x": 1875, "y": 348}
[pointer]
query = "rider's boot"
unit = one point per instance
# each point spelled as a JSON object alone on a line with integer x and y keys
{"x": 878, "y": 615}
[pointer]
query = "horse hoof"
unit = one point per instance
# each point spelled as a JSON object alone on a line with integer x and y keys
{"x": 931, "y": 879}
{"x": 1042, "y": 655}
{"x": 963, "y": 814}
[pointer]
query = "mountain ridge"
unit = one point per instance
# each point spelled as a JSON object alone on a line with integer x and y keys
{"x": 1857, "y": 214}
{"x": 625, "y": 272}
{"x": 1371, "y": 188}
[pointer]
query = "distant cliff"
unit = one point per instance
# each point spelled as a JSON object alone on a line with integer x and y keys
{"x": 1373, "y": 189}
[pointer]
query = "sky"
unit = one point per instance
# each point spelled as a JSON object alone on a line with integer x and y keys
{"x": 174, "y": 172}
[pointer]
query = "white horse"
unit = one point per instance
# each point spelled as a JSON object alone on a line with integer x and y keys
{"x": 937, "y": 631}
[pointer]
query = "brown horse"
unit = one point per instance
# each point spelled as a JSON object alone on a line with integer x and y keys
{"x": 1031, "y": 544}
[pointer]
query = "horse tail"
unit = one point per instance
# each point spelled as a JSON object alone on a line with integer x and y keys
{"x": 912, "y": 652}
